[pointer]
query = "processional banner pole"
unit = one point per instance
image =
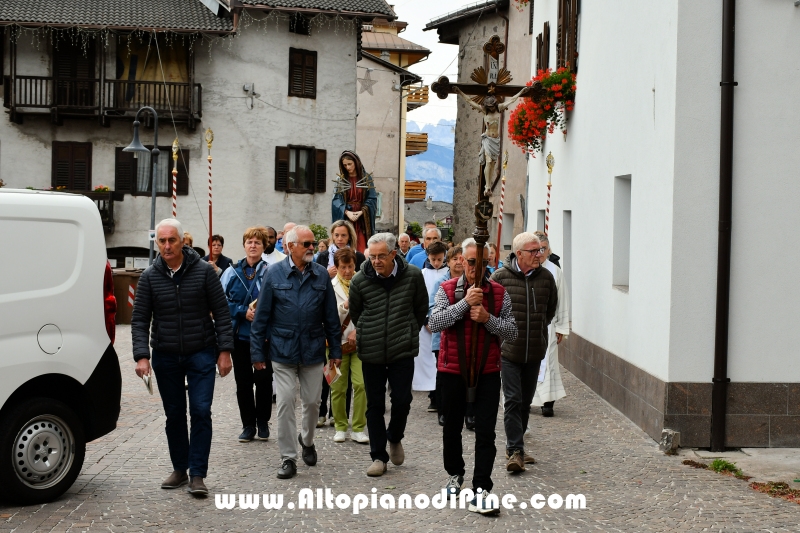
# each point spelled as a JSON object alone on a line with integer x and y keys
{"x": 209, "y": 140}
{"x": 175, "y": 178}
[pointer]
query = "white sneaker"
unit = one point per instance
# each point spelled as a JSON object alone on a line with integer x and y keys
{"x": 320, "y": 421}
{"x": 360, "y": 437}
{"x": 340, "y": 436}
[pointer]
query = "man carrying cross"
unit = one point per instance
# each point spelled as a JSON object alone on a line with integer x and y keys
{"x": 463, "y": 310}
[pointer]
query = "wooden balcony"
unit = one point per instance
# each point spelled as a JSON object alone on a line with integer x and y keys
{"x": 417, "y": 97}
{"x": 416, "y": 191}
{"x": 106, "y": 100}
{"x": 416, "y": 143}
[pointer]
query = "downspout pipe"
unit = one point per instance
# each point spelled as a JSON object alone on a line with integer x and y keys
{"x": 720, "y": 380}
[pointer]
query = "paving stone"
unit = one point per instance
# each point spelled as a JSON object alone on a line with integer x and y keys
{"x": 588, "y": 448}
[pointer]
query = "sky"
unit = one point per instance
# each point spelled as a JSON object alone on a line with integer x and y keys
{"x": 443, "y": 59}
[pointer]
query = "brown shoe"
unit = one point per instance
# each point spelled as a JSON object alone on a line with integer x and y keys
{"x": 396, "y": 453}
{"x": 197, "y": 487}
{"x": 516, "y": 463}
{"x": 377, "y": 468}
{"x": 176, "y": 479}
{"x": 529, "y": 460}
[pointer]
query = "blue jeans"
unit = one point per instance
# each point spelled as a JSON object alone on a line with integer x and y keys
{"x": 200, "y": 370}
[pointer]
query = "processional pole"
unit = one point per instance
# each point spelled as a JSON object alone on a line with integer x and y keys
{"x": 175, "y": 178}
{"x": 209, "y": 140}
{"x": 550, "y": 161}
{"x": 502, "y": 201}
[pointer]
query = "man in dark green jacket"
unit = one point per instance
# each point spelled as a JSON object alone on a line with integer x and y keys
{"x": 533, "y": 303}
{"x": 389, "y": 305}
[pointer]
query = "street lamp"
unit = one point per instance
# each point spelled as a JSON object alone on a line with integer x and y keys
{"x": 136, "y": 146}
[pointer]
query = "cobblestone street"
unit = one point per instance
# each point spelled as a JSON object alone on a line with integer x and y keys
{"x": 587, "y": 448}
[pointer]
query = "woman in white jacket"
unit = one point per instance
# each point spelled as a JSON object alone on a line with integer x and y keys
{"x": 550, "y": 387}
{"x": 345, "y": 261}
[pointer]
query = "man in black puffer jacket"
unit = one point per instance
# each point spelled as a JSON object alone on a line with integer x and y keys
{"x": 389, "y": 305}
{"x": 533, "y": 303}
{"x": 191, "y": 335}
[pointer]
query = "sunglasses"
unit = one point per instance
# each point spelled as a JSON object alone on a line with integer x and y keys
{"x": 306, "y": 244}
{"x": 473, "y": 262}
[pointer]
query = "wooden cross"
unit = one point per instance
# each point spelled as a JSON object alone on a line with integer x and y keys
{"x": 494, "y": 83}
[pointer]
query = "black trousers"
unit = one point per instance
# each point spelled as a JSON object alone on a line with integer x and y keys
{"x": 399, "y": 375}
{"x": 454, "y": 408}
{"x": 435, "y": 396}
{"x": 254, "y": 410}
{"x": 519, "y": 387}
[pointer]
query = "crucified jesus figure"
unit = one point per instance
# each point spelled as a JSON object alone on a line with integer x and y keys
{"x": 490, "y": 138}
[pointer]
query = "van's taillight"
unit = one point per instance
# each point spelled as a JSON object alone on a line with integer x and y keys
{"x": 109, "y": 303}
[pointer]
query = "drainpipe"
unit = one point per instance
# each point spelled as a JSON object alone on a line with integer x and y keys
{"x": 720, "y": 380}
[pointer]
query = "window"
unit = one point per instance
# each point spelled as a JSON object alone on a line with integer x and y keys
{"x": 134, "y": 175}
{"x": 74, "y": 70}
{"x": 302, "y": 73}
{"x": 567, "y": 44}
{"x": 543, "y": 48}
{"x": 300, "y": 169}
{"x": 622, "y": 232}
{"x": 299, "y": 24}
{"x": 72, "y": 166}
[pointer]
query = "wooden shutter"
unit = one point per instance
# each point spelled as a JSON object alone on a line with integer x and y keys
{"x": 572, "y": 36}
{"x": 183, "y": 173}
{"x": 62, "y": 164}
{"x": 281, "y": 168}
{"x": 302, "y": 73}
{"x": 81, "y": 166}
{"x": 320, "y": 171}
{"x": 124, "y": 171}
{"x": 295, "y": 72}
{"x": 310, "y": 75}
{"x": 72, "y": 165}
{"x": 561, "y": 45}
{"x": 546, "y": 46}
{"x": 530, "y": 18}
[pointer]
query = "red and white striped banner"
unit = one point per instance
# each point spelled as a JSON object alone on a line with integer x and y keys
{"x": 500, "y": 213}
{"x": 131, "y": 295}
{"x": 547, "y": 213}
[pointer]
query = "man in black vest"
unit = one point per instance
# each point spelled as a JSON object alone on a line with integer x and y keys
{"x": 533, "y": 297}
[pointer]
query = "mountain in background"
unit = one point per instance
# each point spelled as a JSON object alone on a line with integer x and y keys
{"x": 434, "y": 166}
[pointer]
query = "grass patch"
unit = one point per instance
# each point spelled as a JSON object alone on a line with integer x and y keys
{"x": 777, "y": 490}
{"x": 720, "y": 466}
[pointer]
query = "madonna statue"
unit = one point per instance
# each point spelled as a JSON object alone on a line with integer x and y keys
{"x": 354, "y": 198}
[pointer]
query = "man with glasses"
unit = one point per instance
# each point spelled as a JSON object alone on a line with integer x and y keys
{"x": 296, "y": 313}
{"x": 534, "y": 298}
{"x": 460, "y": 311}
{"x": 388, "y": 305}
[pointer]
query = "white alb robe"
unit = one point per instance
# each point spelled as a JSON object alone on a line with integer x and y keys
{"x": 425, "y": 362}
{"x": 550, "y": 388}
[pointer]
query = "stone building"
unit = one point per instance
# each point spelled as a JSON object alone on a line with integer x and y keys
{"x": 276, "y": 82}
{"x": 469, "y": 28}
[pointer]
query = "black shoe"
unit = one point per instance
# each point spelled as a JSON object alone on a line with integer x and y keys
{"x": 309, "y": 452}
{"x": 441, "y": 420}
{"x": 469, "y": 421}
{"x": 432, "y": 407}
{"x": 248, "y": 434}
{"x": 263, "y": 432}
{"x": 547, "y": 409}
{"x": 287, "y": 470}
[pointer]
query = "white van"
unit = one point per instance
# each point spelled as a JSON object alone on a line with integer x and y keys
{"x": 60, "y": 381}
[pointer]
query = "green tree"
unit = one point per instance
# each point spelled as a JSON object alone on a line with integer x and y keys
{"x": 320, "y": 232}
{"x": 416, "y": 228}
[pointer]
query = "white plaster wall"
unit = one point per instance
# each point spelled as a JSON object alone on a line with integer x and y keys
{"x": 245, "y": 139}
{"x": 766, "y": 247}
{"x": 378, "y": 135}
{"x": 623, "y": 123}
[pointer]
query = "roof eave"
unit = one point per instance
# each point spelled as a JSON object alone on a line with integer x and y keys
{"x": 113, "y": 27}
{"x": 411, "y": 77}
{"x": 472, "y": 11}
{"x": 364, "y": 15}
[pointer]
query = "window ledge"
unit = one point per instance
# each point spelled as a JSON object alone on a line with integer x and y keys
{"x": 620, "y": 288}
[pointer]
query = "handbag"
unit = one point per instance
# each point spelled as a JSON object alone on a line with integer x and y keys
{"x": 346, "y": 347}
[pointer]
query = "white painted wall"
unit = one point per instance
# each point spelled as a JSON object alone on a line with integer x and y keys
{"x": 766, "y": 247}
{"x": 623, "y": 123}
{"x": 245, "y": 139}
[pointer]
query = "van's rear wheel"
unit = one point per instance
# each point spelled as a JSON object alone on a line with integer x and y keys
{"x": 42, "y": 447}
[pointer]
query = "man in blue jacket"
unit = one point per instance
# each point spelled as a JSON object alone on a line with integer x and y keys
{"x": 296, "y": 313}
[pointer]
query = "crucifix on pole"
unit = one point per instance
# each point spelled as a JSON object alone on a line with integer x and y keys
{"x": 488, "y": 95}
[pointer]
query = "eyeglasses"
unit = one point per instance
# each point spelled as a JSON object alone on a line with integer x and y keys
{"x": 540, "y": 251}
{"x": 306, "y": 244}
{"x": 473, "y": 262}
{"x": 380, "y": 257}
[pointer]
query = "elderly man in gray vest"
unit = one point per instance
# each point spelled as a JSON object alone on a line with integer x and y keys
{"x": 534, "y": 297}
